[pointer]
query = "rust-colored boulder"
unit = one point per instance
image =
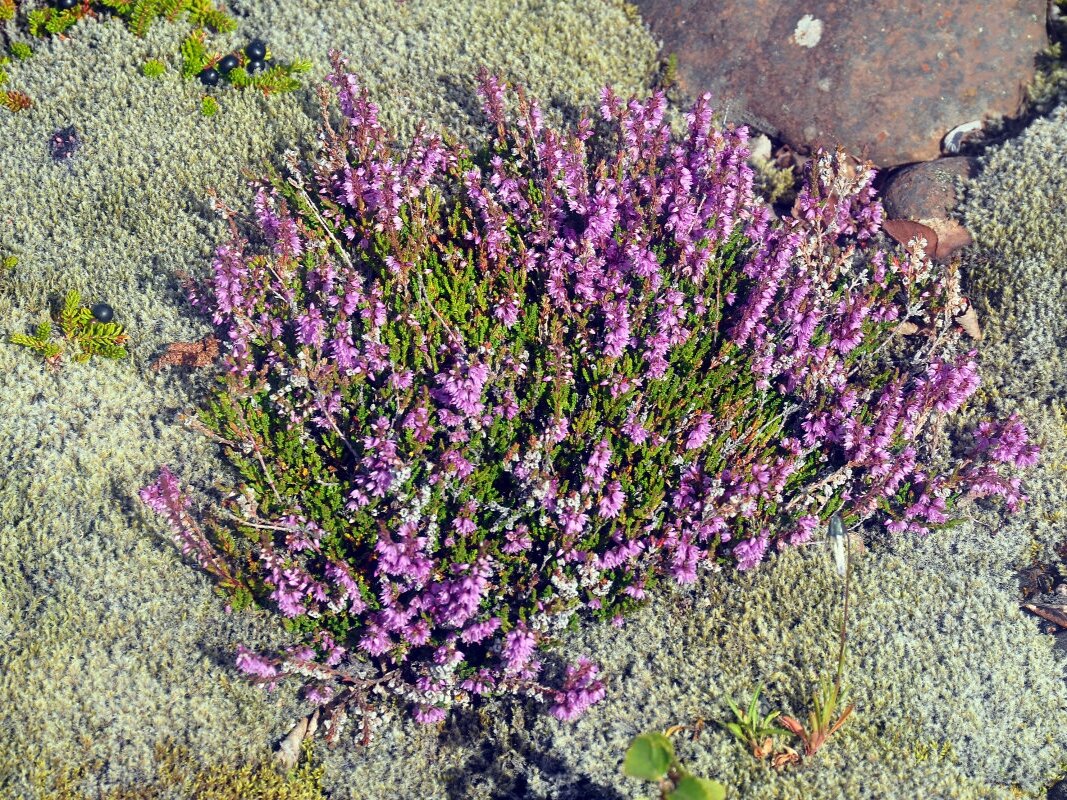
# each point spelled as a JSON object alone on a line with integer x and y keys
{"x": 885, "y": 80}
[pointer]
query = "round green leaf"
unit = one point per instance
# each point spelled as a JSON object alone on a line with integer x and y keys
{"x": 690, "y": 788}
{"x": 649, "y": 757}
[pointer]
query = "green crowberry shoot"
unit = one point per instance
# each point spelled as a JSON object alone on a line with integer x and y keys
{"x": 475, "y": 396}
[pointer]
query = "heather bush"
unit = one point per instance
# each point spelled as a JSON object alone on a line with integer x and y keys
{"x": 476, "y": 395}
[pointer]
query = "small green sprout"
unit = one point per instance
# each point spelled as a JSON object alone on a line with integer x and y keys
{"x": 40, "y": 342}
{"x": 753, "y": 730}
{"x": 823, "y": 720}
{"x": 209, "y": 106}
{"x": 153, "y": 68}
{"x": 21, "y": 51}
{"x": 8, "y": 262}
{"x": 651, "y": 758}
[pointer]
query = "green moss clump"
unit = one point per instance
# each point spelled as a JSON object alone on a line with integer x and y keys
{"x": 180, "y": 775}
{"x": 153, "y": 68}
{"x": 21, "y": 51}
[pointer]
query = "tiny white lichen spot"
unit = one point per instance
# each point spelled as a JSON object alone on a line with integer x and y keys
{"x": 808, "y": 31}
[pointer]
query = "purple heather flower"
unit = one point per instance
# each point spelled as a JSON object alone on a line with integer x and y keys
{"x": 375, "y": 641}
{"x": 596, "y": 469}
{"x": 254, "y": 664}
{"x": 461, "y": 388}
{"x": 699, "y": 433}
{"x": 612, "y": 501}
{"x": 318, "y": 693}
{"x": 805, "y": 527}
{"x": 581, "y": 689}
{"x": 517, "y": 540}
{"x": 481, "y": 683}
{"x": 429, "y": 715}
{"x": 473, "y": 634}
{"x": 749, "y": 552}
{"x": 518, "y": 648}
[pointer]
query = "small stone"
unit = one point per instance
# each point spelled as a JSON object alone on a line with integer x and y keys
{"x": 927, "y": 189}
{"x": 102, "y": 312}
{"x": 209, "y": 77}
{"x": 759, "y": 148}
{"x": 227, "y": 63}
{"x": 256, "y": 50}
{"x": 926, "y": 193}
{"x": 64, "y": 143}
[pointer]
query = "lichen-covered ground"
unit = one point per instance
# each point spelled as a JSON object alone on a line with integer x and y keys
{"x": 110, "y": 646}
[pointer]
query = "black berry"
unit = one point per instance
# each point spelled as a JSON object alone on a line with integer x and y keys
{"x": 254, "y": 66}
{"x": 63, "y": 143}
{"x": 256, "y": 50}
{"x": 66, "y": 5}
{"x": 227, "y": 63}
{"x": 103, "y": 312}
{"x": 209, "y": 77}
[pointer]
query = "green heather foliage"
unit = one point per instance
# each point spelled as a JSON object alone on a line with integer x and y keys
{"x": 138, "y": 14}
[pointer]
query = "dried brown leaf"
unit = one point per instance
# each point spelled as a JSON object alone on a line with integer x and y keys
{"x": 189, "y": 354}
{"x": 968, "y": 320}
{"x": 904, "y": 230}
{"x": 1050, "y": 613}
{"x": 791, "y": 725}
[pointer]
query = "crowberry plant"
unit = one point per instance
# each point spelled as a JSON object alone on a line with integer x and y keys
{"x": 476, "y": 395}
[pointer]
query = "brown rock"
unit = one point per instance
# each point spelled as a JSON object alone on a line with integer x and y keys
{"x": 927, "y": 189}
{"x": 885, "y": 80}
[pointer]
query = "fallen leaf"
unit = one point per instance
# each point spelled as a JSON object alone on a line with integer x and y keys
{"x": 906, "y": 329}
{"x": 189, "y": 354}
{"x": 904, "y": 230}
{"x": 785, "y": 758}
{"x": 1049, "y": 613}
{"x": 968, "y": 320}
{"x": 288, "y": 754}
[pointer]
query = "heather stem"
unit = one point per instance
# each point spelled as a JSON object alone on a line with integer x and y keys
{"x": 844, "y": 622}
